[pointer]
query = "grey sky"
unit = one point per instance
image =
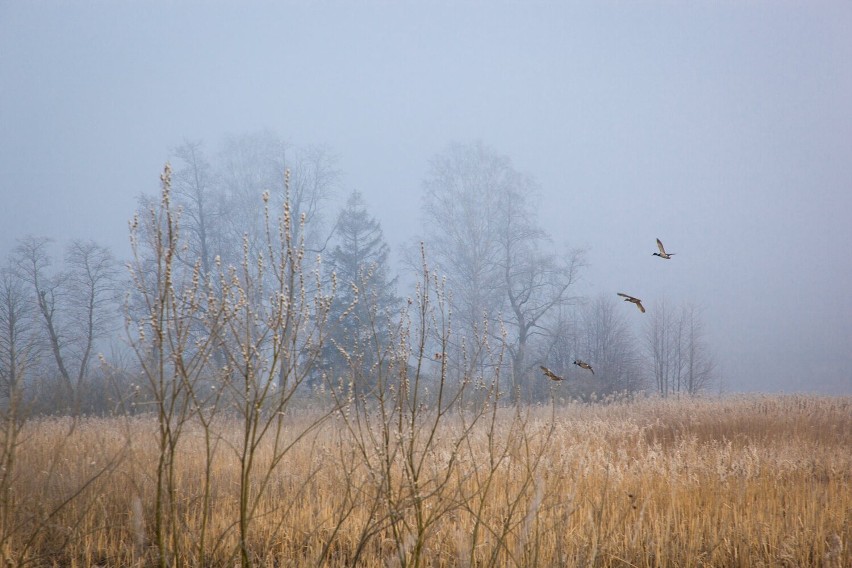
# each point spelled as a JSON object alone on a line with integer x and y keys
{"x": 724, "y": 128}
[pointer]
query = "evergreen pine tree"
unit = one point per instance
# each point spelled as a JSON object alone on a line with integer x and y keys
{"x": 365, "y": 298}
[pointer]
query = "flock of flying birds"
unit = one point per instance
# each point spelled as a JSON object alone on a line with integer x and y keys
{"x": 627, "y": 298}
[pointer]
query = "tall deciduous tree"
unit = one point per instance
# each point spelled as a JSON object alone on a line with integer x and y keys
{"x": 538, "y": 284}
{"x": 76, "y": 306}
{"x": 90, "y": 285}
{"x": 194, "y": 183}
{"x": 32, "y": 259}
{"x": 500, "y": 264}
{"x": 464, "y": 195}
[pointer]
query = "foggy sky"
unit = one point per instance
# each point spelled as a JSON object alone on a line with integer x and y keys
{"x": 724, "y": 128}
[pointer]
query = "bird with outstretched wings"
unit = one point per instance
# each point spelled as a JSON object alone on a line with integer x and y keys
{"x": 550, "y": 374}
{"x": 632, "y": 300}
{"x": 662, "y": 253}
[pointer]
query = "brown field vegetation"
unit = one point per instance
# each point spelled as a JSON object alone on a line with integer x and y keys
{"x": 738, "y": 481}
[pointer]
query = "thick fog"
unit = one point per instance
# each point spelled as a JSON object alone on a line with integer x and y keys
{"x": 723, "y": 128}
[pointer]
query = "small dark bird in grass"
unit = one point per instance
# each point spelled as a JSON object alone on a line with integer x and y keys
{"x": 662, "y": 253}
{"x": 583, "y": 365}
{"x": 633, "y": 300}
{"x": 550, "y": 374}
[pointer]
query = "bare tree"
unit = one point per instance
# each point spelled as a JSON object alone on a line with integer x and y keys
{"x": 173, "y": 326}
{"x": 497, "y": 259}
{"x": 605, "y": 340}
{"x": 76, "y": 306}
{"x": 90, "y": 285}
{"x": 677, "y": 350}
{"x": 32, "y": 259}
{"x": 251, "y": 164}
{"x": 662, "y": 340}
{"x": 313, "y": 181}
{"x": 462, "y": 196}
{"x": 266, "y": 315}
{"x": 699, "y": 366}
{"x": 195, "y": 191}
{"x": 537, "y": 286}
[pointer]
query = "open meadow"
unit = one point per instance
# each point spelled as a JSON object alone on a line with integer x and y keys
{"x": 738, "y": 481}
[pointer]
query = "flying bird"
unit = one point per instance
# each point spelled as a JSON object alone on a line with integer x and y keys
{"x": 662, "y": 253}
{"x": 633, "y": 300}
{"x": 583, "y": 365}
{"x": 550, "y": 374}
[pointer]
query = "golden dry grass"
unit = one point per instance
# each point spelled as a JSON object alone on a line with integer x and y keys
{"x": 742, "y": 481}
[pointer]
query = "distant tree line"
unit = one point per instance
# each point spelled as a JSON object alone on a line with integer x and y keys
{"x": 233, "y": 217}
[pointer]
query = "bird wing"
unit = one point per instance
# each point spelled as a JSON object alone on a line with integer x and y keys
{"x": 626, "y": 296}
{"x": 550, "y": 374}
{"x": 661, "y": 247}
{"x": 640, "y": 306}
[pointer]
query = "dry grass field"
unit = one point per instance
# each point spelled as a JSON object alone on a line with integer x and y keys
{"x": 741, "y": 481}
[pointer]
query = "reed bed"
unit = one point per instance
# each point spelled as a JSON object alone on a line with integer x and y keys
{"x": 738, "y": 481}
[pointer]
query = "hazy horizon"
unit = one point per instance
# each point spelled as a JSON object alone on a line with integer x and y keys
{"x": 724, "y": 129}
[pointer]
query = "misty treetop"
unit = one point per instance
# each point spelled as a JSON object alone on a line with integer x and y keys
{"x": 221, "y": 199}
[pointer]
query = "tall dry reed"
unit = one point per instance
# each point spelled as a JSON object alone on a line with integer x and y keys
{"x": 741, "y": 481}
